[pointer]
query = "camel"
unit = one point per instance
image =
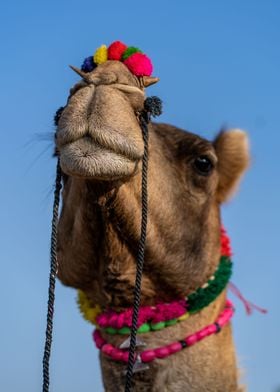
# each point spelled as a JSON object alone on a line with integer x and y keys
{"x": 100, "y": 146}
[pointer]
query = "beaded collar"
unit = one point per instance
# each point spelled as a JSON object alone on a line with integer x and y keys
{"x": 122, "y": 355}
{"x": 159, "y": 316}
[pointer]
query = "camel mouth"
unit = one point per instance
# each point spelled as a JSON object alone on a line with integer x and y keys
{"x": 85, "y": 158}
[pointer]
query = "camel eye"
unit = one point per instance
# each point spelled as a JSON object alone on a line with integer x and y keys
{"x": 203, "y": 165}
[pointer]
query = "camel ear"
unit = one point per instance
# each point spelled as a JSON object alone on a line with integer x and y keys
{"x": 232, "y": 149}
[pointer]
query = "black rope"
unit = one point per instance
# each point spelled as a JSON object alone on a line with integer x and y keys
{"x": 153, "y": 107}
{"x": 52, "y": 280}
{"x": 140, "y": 260}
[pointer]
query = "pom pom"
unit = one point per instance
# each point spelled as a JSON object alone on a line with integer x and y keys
{"x": 129, "y": 51}
{"x": 92, "y": 313}
{"x": 139, "y": 64}
{"x": 225, "y": 244}
{"x": 116, "y": 50}
{"x": 101, "y": 55}
{"x": 153, "y": 105}
{"x": 88, "y": 64}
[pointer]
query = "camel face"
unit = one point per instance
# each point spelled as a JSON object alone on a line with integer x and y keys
{"x": 98, "y": 135}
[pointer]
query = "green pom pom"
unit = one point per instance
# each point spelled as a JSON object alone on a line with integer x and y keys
{"x": 144, "y": 328}
{"x": 158, "y": 326}
{"x": 170, "y": 322}
{"x": 124, "y": 331}
{"x": 129, "y": 51}
{"x": 111, "y": 331}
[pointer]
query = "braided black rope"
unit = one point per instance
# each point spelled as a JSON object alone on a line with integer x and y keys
{"x": 52, "y": 280}
{"x": 152, "y": 108}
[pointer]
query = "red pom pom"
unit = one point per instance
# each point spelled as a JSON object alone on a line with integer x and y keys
{"x": 225, "y": 244}
{"x": 139, "y": 64}
{"x": 115, "y": 50}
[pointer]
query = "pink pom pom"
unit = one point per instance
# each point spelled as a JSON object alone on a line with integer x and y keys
{"x": 102, "y": 320}
{"x": 115, "y": 50}
{"x": 125, "y": 356}
{"x": 139, "y": 64}
{"x": 119, "y": 322}
{"x": 113, "y": 320}
{"x": 98, "y": 339}
{"x": 107, "y": 349}
{"x": 127, "y": 318}
{"x": 145, "y": 314}
{"x": 117, "y": 354}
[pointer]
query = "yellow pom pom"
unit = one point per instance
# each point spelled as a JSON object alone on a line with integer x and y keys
{"x": 101, "y": 55}
{"x": 88, "y": 311}
{"x": 93, "y": 313}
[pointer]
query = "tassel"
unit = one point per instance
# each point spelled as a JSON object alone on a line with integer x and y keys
{"x": 249, "y": 306}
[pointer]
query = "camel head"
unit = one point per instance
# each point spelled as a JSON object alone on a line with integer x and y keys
{"x": 99, "y": 142}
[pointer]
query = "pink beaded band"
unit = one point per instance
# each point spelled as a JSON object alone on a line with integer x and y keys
{"x": 165, "y": 351}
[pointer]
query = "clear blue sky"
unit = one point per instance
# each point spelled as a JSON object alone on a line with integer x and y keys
{"x": 219, "y": 64}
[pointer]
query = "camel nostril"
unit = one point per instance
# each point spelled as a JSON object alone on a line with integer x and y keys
{"x": 87, "y": 134}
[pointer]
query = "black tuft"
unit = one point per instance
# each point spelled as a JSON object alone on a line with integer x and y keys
{"x": 58, "y": 115}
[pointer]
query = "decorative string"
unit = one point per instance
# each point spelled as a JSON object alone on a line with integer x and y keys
{"x": 249, "y": 306}
{"x": 52, "y": 281}
{"x": 140, "y": 259}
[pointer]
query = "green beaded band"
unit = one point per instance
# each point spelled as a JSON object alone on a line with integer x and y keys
{"x": 196, "y": 301}
{"x": 144, "y": 328}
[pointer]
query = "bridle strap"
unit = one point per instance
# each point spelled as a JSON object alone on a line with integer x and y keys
{"x": 152, "y": 107}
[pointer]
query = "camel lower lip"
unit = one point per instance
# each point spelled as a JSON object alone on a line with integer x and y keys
{"x": 85, "y": 158}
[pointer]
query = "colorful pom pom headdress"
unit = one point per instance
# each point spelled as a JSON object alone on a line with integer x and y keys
{"x": 136, "y": 61}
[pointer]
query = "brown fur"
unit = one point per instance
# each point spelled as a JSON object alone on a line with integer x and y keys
{"x": 99, "y": 143}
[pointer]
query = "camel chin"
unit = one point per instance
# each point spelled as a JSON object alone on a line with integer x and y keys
{"x": 84, "y": 158}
